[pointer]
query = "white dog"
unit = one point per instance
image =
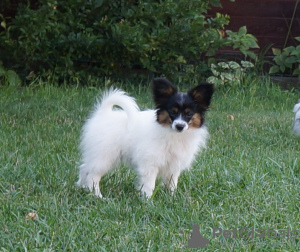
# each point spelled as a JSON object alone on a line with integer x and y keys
{"x": 157, "y": 143}
{"x": 296, "y": 110}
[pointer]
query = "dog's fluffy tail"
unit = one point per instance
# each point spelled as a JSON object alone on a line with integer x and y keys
{"x": 116, "y": 97}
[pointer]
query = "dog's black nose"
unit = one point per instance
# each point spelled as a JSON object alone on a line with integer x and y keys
{"x": 180, "y": 127}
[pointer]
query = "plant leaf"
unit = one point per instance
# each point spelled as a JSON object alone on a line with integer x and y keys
{"x": 13, "y": 79}
{"x": 98, "y": 3}
{"x": 291, "y": 60}
{"x": 289, "y": 49}
{"x": 242, "y": 31}
{"x": 3, "y": 24}
{"x": 216, "y": 3}
{"x": 297, "y": 71}
{"x": 274, "y": 69}
{"x": 276, "y": 51}
{"x": 2, "y": 69}
{"x": 252, "y": 55}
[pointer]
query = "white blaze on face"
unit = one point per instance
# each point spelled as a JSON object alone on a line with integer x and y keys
{"x": 179, "y": 124}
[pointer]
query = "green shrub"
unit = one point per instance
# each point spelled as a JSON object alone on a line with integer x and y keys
{"x": 76, "y": 38}
{"x": 287, "y": 59}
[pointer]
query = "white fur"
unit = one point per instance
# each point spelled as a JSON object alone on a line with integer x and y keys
{"x": 136, "y": 138}
{"x": 296, "y": 110}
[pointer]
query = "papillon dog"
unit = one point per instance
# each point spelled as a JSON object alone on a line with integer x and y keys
{"x": 158, "y": 143}
{"x": 296, "y": 110}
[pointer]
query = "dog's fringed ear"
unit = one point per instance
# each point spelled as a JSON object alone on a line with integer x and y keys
{"x": 202, "y": 94}
{"x": 162, "y": 89}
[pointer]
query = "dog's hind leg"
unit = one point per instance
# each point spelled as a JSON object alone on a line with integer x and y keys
{"x": 93, "y": 183}
{"x": 90, "y": 180}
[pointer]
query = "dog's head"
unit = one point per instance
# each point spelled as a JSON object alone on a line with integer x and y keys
{"x": 181, "y": 111}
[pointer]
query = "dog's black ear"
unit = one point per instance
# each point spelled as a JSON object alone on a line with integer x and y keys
{"x": 202, "y": 94}
{"x": 162, "y": 89}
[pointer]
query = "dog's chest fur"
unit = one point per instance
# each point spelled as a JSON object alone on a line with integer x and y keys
{"x": 160, "y": 147}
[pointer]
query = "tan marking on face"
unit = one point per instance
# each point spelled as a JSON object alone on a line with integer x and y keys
{"x": 195, "y": 122}
{"x": 187, "y": 110}
{"x": 167, "y": 91}
{"x": 175, "y": 109}
{"x": 164, "y": 118}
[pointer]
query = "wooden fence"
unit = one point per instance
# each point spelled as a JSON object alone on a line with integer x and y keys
{"x": 273, "y": 22}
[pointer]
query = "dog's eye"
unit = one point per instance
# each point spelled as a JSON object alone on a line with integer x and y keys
{"x": 189, "y": 114}
{"x": 173, "y": 113}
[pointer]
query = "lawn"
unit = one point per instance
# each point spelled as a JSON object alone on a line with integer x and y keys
{"x": 243, "y": 191}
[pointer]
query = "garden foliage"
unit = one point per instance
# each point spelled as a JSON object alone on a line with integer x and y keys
{"x": 101, "y": 37}
{"x": 230, "y": 73}
{"x": 287, "y": 59}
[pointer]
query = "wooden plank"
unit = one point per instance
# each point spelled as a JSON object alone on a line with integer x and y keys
{"x": 276, "y": 27}
{"x": 258, "y": 8}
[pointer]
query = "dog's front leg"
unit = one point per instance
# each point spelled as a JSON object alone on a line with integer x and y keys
{"x": 147, "y": 181}
{"x": 172, "y": 180}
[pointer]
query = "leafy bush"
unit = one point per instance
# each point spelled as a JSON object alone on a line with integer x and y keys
{"x": 229, "y": 73}
{"x": 288, "y": 58}
{"x": 242, "y": 41}
{"x": 100, "y": 37}
{"x": 9, "y": 77}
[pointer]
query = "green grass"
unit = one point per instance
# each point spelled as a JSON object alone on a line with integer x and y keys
{"x": 248, "y": 177}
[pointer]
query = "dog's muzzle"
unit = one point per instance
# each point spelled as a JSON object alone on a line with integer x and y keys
{"x": 180, "y": 125}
